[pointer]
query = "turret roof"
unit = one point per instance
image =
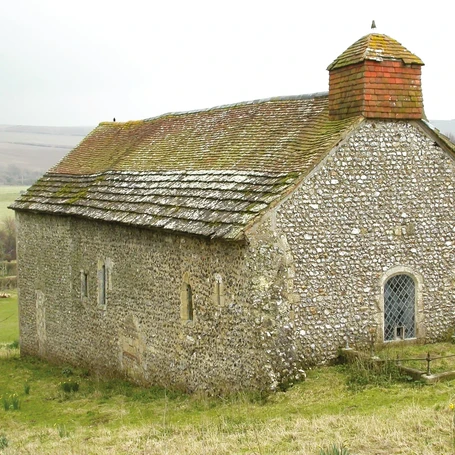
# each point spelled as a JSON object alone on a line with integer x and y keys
{"x": 375, "y": 47}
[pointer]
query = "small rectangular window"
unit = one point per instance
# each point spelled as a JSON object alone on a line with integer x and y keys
{"x": 84, "y": 284}
{"x": 218, "y": 293}
{"x": 189, "y": 302}
{"x": 102, "y": 284}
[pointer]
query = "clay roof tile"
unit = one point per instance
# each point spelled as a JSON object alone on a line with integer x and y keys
{"x": 375, "y": 47}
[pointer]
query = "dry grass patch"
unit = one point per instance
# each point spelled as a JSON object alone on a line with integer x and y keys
{"x": 428, "y": 434}
{"x": 115, "y": 417}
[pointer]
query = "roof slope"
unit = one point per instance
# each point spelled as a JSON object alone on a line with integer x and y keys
{"x": 210, "y": 172}
{"x": 374, "y": 47}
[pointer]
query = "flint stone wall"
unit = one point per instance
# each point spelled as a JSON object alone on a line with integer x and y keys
{"x": 382, "y": 203}
{"x": 232, "y": 343}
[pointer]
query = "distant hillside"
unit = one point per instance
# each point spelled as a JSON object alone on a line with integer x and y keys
{"x": 26, "y": 152}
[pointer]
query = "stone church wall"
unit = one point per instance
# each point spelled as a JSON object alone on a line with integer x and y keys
{"x": 111, "y": 298}
{"x": 383, "y": 202}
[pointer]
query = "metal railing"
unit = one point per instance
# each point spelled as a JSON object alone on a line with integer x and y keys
{"x": 428, "y": 359}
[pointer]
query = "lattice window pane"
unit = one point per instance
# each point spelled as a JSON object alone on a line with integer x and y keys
{"x": 399, "y": 308}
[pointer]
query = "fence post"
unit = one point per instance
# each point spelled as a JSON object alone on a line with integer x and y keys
{"x": 428, "y": 363}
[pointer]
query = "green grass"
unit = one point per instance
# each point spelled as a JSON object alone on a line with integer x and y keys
{"x": 105, "y": 416}
{"x": 7, "y": 195}
{"x": 9, "y": 325}
{"x": 113, "y": 416}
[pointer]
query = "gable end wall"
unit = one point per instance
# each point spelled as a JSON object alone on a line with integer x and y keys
{"x": 383, "y": 201}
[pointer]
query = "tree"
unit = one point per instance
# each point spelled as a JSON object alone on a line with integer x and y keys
{"x": 8, "y": 239}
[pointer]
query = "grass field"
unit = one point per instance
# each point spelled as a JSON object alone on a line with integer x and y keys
{"x": 7, "y": 195}
{"x": 9, "y": 330}
{"x": 115, "y": 417}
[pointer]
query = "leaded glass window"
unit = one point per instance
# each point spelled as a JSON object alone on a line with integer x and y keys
{"x": 399, "y": 308}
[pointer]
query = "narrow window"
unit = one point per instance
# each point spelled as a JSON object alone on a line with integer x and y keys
{"x": 84, "y": 284}
{"x": 399, "y": 308}
{"x": 189, "y": 302}
{"x": 186, "y": 300}
{"x": 218, "y": 292}
{"x": 102, "y": 285}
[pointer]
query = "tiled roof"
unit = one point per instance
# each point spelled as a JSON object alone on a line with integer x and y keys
{"x": 211, "y": 172}
{"x": 374, "y": 47}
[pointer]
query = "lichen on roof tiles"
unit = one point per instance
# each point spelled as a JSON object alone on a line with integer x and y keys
{"x": 374, "y": 47}
{"x": 211, "y": 172}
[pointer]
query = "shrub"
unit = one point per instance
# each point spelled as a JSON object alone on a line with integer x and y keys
{"x": 3, "y": 442}
{"x": 364, "y": 372}
{"x": 69, "y": 386}
{"x": 335, "y": 450}
{"x": 67, "y": 372}
{"x": 13, "y": 345}
{"x": 11, "y": 402}
{"x": 62, "y": 431}
{"x": 8, "y": 238}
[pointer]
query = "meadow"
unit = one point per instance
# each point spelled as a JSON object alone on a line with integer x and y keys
{"x": 59, "y": 409}
{"x": 7, "y": 196}
{"x": 9, "y": 318}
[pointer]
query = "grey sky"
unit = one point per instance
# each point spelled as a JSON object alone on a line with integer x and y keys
{"x": 80, "y": 63}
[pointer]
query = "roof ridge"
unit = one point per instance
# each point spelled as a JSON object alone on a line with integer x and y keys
{"x": 225, "y": 106}
{"x": 280, "y": 173}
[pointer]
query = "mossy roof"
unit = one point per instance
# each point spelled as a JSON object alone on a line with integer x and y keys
{"x": 374, "y": 47}
{"x": 212, "y": 172}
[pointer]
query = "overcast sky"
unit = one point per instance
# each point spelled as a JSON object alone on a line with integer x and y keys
{"x": 82, "y": 62}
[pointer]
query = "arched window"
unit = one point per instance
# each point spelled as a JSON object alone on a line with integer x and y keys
{"x": 399, "y": 308}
